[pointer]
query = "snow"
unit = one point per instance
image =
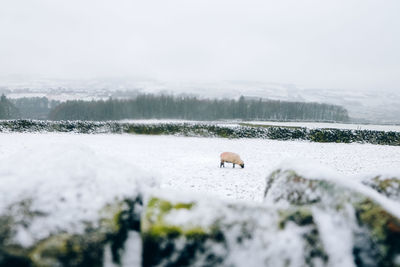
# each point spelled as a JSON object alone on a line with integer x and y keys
{"x": 183, "y": 163}
{"x": 320, "y": 125}
{"x": 132, "y": 248}
{"x": 68, "y": 180}
{"x": 329, "y": 222}
{"x": 263, "y": 242}
{"x": 72, "y": 176}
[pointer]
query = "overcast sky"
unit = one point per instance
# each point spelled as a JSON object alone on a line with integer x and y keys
{"x": 321, "y": 44}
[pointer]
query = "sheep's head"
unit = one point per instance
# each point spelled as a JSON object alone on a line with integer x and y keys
{"x": 242, "y": 165}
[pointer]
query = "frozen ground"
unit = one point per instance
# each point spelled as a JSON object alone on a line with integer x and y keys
{"x": 192, "y": 164}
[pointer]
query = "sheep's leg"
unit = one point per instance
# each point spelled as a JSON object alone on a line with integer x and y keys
{"x": 233, "y": 165}
{"x": 222, "y": 164}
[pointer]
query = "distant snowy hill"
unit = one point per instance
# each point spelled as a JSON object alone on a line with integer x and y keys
{"x": 369, "y": 106}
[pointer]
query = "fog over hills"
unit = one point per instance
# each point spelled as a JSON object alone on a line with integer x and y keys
{"x": 363, "y": 105}
{"x": 343, "y": 52}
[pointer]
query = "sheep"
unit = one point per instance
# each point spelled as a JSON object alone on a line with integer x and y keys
{"x": 231, "y": 158}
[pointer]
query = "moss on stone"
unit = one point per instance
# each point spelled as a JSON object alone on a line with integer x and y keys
{"x": 297, "y": 190}
{"x": 301, "y": 216}
{"x": 153, "y": 221}
{"x": 110, "y": 217}
{"x": 374, "y": 217}
{"x": 378, "y": 219}
{"x": 117, "y": 219}
{"x": 389, "y": 186}
{"x": 384, "y": 229}
{"x": 68, "y": 250}
{"x": 379, "y": 228}
{"x": 385, "y": 184}
{"x": 163, "y": 242}
{"x": 86, "y": 249}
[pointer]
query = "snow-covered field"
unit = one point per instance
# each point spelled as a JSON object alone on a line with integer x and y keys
{"x": 190, "y": 164}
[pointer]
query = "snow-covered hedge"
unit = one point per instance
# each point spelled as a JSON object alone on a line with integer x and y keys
{"x": 206, "y": 130}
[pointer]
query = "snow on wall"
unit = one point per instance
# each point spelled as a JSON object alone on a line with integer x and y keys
{"x": 70, "y": 181}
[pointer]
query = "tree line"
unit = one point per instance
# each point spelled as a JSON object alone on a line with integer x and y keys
{"x": 150, "y": 106}
{"x": 34, "y": 107}
{"x": 26, "y": 107}
{"x": 7, "y": 109}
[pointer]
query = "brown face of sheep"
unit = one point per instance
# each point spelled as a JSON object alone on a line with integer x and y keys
{"x": 242, "y": 165}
